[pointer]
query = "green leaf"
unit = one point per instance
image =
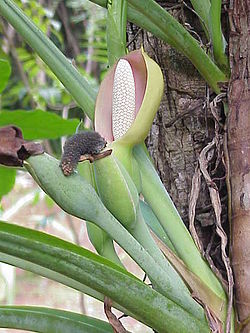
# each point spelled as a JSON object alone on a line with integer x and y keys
{"x": 116, "y": 30}
{"x": 217, "y": 36}
{"x": 46, "y": 320}
{"x": 39, "y": 124}
{"x": 202, "y": 8}
{"x": 35, "y": 250}
{"x": 7, "y": 180}
{"x": 5, "y": 71}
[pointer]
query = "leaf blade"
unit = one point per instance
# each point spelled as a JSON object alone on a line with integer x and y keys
{"x": 46, "y": 320}
{"x": 7, "y": 180}
{"x": 38, "y": 124}
{"x": 85, "y": 267}
{"x": 5, "y": 71}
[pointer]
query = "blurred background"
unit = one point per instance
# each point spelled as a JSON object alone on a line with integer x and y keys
{"x": 77, "y": 27}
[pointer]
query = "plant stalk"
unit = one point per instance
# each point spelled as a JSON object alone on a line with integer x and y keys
{"x": 164, "y": 209}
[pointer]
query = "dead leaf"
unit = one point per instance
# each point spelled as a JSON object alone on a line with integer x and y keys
{"x": 14, "y": 149}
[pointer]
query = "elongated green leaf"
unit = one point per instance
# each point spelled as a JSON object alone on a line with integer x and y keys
{"x": 73, "y": 81}
{"x": 152, "y": 17}
{"x": 77, "y": 197}
{"x": 116, "y": 30}
{"x": 53, "y": 275}
{"x": 202, "y": 7}
{"x": 209, "y": 13}
{"x": 39, "y": 124}
{"x": 46, "y": 320}
{"x": 217, "y": 36}
{"x": 5, "y": 71}
{"x": 96, "y": 272}
{"x": 7, "y": 180}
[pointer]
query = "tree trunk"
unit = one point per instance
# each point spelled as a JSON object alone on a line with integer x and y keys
{"x": 239, "y": 152}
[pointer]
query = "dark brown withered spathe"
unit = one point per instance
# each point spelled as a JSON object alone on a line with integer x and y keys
{"x": 14, "y": 149}
{"x": 80, "y": 144}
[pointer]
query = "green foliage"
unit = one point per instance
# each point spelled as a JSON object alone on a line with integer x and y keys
{"x": 7, "y": 175}
{"x": 97, "y": 42}
{"x": 116, "y": 30}
{"x": 7, "y": 180}
{"x": 93, "y": 38}
{"x": 61, "y": 260}
{"x": 46, "y": 320}
{"x": 18, "y": 90}
{"x": 43, "y": 16}
{"x": 5, "y": 71}
{"x": 39, "y": 124}
{"x": 77, "y": 85}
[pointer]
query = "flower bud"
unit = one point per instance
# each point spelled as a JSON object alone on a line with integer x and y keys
{"x": 128, "y": 99}
{"x": 117, "y": 190}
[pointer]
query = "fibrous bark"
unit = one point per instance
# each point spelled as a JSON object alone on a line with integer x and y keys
{"x": 239, "y": 152}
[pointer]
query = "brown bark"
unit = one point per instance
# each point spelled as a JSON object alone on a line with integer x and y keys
{"x": 239, "y": 152}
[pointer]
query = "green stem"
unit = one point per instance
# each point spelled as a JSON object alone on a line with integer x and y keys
{"x": 217, "y": 36}
{"x": 164, "y": 209}
{"x": 110, "y": 253}
{"x": 98, "y": 237}
{"x": 50, "y": 274}
{"x": 142, "y": 235}
{"x": 153, "y": 18}
{"x": 73, "y": 81}
{"x": 116, "y": 30}
{"x": 154, "y": 225}
{"x": 117, "y": 191}
{"x": 102, "y": 243}
{"x": 156, "y": 274}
